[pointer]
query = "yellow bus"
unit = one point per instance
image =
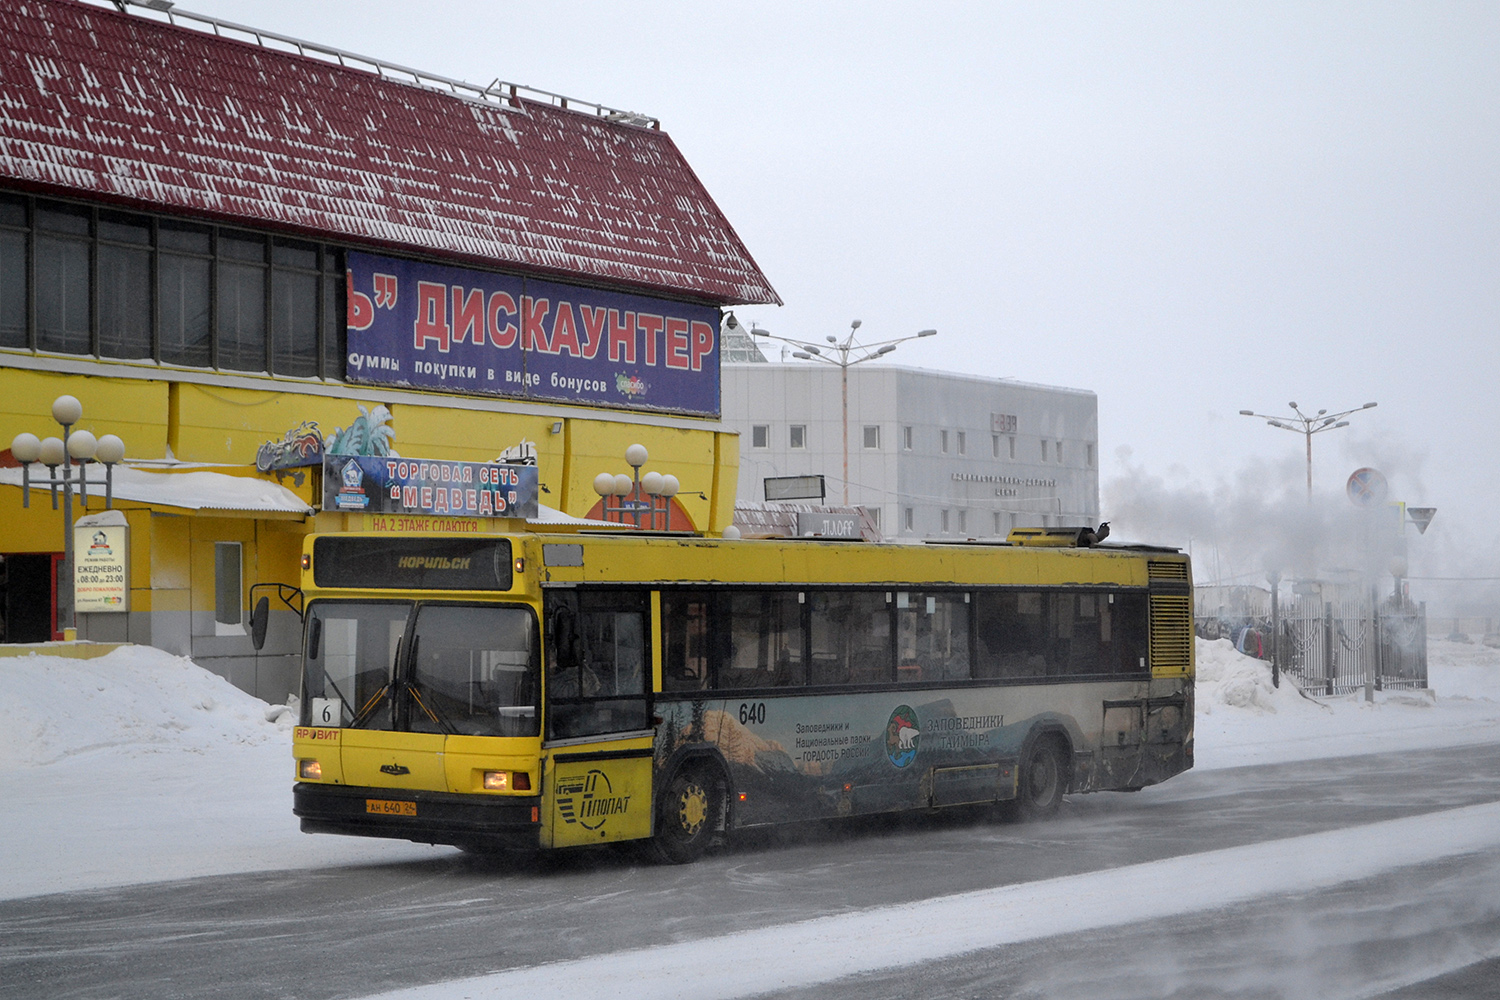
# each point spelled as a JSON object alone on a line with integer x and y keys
{"x": 570, "y": 689}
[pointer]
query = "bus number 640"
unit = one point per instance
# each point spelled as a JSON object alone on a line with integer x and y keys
{"x": 752, "y": 712}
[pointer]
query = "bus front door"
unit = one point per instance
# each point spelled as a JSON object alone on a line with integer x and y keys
{"x": 598, "y": 746}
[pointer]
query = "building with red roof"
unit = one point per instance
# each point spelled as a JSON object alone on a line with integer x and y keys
{"x": 241, "y": 251}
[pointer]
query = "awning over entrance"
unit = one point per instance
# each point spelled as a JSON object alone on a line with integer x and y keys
{"x": 186, "y": 490}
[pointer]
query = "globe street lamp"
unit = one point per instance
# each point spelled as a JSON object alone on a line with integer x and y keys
{"x": 845, "y": 354}
{"x": 652, "y": 484}
{"x": 1308, "y": 426}
{"x": 74, "y": 446}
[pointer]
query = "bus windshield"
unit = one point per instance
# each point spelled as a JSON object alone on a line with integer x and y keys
{"x": 434, "y": 668}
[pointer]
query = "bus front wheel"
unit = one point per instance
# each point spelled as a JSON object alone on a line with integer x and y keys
{"x": 1044, "y": 778}
{"x": 688, "y": 815}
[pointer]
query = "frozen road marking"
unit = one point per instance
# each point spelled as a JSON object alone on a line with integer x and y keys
{"x": 814, "y": 951}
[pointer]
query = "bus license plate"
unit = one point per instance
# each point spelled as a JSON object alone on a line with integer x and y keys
{"x": 390, "y": 807}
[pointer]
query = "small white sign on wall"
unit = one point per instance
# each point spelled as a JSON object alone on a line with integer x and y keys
{"x": 101, "y": 563}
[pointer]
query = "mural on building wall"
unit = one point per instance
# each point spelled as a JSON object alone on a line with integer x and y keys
{"x": 433, "y": 326}
{"x": 301, "y": 446}
{"x": 371, "y": 433}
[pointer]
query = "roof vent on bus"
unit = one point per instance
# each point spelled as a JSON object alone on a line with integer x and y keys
{"x": 1059, "y": 537}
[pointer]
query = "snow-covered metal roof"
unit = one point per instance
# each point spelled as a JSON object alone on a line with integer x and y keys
{"x": 183, "y": 490}
{"x": 153, "y": 115}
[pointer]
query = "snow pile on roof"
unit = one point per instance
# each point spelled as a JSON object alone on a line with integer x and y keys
{"x": 135, "y": 700}
{"x": 150, "y": 114}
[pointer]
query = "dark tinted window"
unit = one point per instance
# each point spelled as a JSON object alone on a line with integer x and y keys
{"x": 764, "y": 632}
{"x": 598, "y": 662}
{"x": 12, "y": 210}
{"x": 242, "y": 316}
{"x": 473, "y": 671}
{"x": 850, "y": 637}
{"x": 1030, "y": 633}
{"x": 685, "y": 645}
{"x": 932, "y": 636}
{"x": 183, "y": 237}
{"x": 182, "y": 285}
{"x": 56, "y": 218}
{"x": 12, "y": 289}
{"x": 125, "y": 228}
{"x": 236, "y": 246}
{"x": 62, "y": 294}
{"x": 333, "y": 326}
{"x": 287, "y": 254}
{"x": 124, "y": 302}
{"x": 294, "y": 323}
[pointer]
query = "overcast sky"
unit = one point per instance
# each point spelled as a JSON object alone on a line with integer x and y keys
{"x": 1190, "y": 209}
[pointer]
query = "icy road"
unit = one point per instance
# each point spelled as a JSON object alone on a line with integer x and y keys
{"x": 1333, "y": 875}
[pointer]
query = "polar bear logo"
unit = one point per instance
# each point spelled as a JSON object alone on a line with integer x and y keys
{"x": 902, "y": 736}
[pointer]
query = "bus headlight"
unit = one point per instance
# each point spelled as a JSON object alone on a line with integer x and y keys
{"x": 497, "y": 781}
{"x": 309, "y": 770}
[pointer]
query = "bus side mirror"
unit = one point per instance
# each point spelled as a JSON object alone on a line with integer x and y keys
{"x": 260, "y": 617}
{"x": 314, "y": 637}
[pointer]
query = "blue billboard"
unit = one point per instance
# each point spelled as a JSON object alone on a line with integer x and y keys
{"x": 431, "y": 326}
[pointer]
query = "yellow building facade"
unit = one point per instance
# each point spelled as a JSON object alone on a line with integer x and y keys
{"x": 224, "y": 291}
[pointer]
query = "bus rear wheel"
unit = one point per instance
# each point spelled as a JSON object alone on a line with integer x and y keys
{"x": 688, "y": 815}
{"x": 1043, "y": 780}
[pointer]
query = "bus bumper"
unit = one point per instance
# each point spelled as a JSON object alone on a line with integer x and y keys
{"x": 469, "y": 821}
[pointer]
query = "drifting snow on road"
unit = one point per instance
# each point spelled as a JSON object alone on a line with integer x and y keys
{"x": 140, "y": 767}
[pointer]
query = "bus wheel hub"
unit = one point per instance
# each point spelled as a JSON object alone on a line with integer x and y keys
{"x": 694, "y": 808}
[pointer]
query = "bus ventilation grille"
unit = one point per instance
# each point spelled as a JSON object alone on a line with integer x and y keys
{"x": 1166, "y": 570}
{"x": 1171, "y": 635}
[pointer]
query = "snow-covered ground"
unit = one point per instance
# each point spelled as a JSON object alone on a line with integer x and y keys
{"x": 139, "y": 766}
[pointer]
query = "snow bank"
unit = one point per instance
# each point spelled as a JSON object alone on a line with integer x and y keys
{"x": 140, "y": 766}
{"x": 134, "y": 700}
{"x": 1242, "y": 719}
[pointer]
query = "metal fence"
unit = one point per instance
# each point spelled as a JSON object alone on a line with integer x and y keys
{"x": 1340, "y": 645}
{"x": 1334, "y": 639}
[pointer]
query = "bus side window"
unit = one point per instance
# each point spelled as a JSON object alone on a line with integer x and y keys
{"x": 685, "y": 648}
{"x": 1012, "y": 633}
{"x": 851, "y": 637}
{"x": 596, "y": 681}
{"x": 932, "y": 636}
{"x": 764, "y": 632}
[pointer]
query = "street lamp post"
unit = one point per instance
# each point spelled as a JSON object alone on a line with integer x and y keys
{"x": 653, "y": 484}
{"x": 74, "y": 446}
{"x": 845, "y": 354}
{"x": 1308, "y": 426}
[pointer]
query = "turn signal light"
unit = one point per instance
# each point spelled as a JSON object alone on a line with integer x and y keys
{"x": 309, "y": 770}
{"x": 522, "y": 782}
{"x": 497, "y": 781}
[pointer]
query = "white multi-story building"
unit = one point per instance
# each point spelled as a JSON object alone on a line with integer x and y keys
{"x": 931, "y": 454}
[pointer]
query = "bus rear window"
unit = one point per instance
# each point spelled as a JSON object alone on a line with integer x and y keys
{"x": 412, "y": 563}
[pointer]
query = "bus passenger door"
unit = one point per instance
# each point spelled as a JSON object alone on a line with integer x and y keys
{"x": 598, "y": 739}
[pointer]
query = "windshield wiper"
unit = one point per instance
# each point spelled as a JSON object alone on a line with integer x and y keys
{"x": 411, "y": 687}
{"x": 369, "y": 707}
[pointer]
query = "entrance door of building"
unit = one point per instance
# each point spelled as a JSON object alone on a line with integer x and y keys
{"x": 28, "y": 596}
